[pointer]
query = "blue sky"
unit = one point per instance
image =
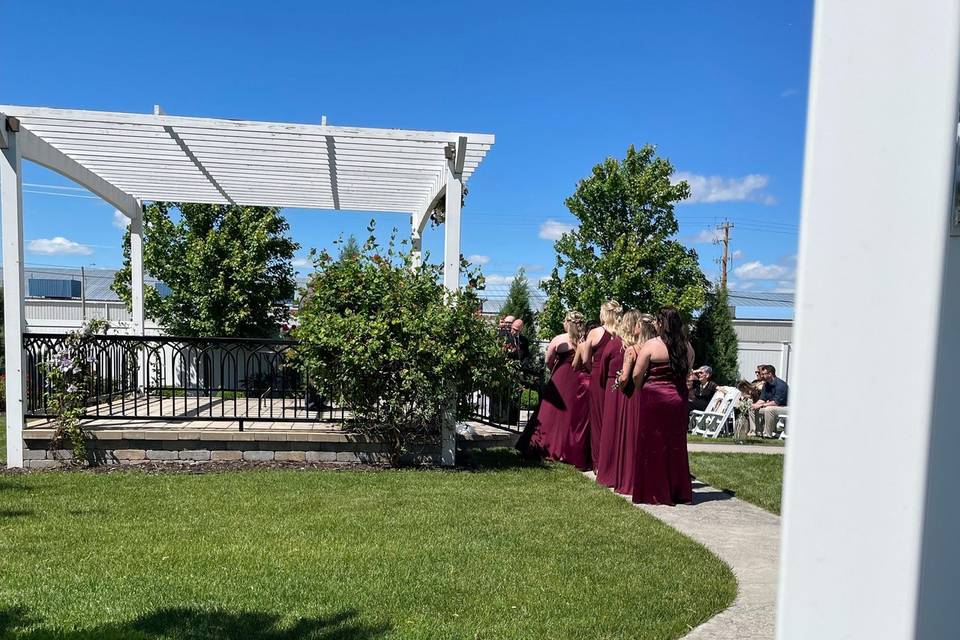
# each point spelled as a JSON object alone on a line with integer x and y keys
{"x": 720, "y": 88}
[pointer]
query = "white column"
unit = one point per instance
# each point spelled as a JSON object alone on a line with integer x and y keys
{"x": 136, "y": 269}
{"x": 871, "y": 518}
{"x": 451, "y": 280}
{"x": 11, "y": 208}
{"x": 783, "y": 370}
{"x": 416, "y": 244}
{"x": 451, "y": 229}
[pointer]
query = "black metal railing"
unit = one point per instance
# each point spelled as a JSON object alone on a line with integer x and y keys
{"x": 175, "y": 378}
{"x": 511, "y": 407}
{"x": 222, "y": 379}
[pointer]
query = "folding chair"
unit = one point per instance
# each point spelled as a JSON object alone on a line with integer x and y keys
{"x": 712, "y": 422}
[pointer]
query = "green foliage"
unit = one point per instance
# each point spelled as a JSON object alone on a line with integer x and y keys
{"x": 68, "y": 374}
{"x": 622, "y": 247}
{"x": 229, "y": 269}
{"x": 393, "y": 343}
{"x": 715, "y": 341}
{"x": 350, "y": 248}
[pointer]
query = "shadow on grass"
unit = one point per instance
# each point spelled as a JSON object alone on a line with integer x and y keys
{"x": 496, "y": 459}
{"x": 710, "y": 496}
{"x": 10, "y": 514}
{"x": 187, "y": 623}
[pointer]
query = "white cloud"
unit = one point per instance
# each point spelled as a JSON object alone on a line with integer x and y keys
{"x": 478, "y": 259}
{"x": 495, "y": 280}
{"x": 120, "y": 221}
{"x": 706, "y": 236}
{"x": 302, "y": 262}
{"x": 711, "y": 189}
{"x": 553, "y": 229}
{"x": 737, "y": 254}
{"x": 58, "y": 245}
{"x": 756, "y": 270}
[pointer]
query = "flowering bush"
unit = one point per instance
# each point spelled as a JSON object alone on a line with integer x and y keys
{"x": 68, "y": 372}
{"x": 394, "y": 345}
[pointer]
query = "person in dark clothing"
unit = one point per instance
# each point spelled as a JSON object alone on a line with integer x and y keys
{"x": 703, "y": 389}
{"x": 517, "y": 344}
{"x": 772, "y": 404}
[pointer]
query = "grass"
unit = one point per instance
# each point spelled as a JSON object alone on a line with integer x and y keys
{"x": 766, "y": 442}
{"x": 505, "y": 551}
{"x": 3, "y": 438}
{"x": 754, "y": 477}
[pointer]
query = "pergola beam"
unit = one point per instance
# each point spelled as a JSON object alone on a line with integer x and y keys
{"x": 43, "y": 153}
{"x": 193, "y": 158}
{"x": 78, "y": 115}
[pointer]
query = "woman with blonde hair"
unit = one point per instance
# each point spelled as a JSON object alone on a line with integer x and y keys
{"x": 558, "y": 429}
{"x": 590, "y": 358}
{"x": 616, "y": 467}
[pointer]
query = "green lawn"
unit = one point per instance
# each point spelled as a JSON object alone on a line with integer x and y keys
{"x": 3, "y": 438}
{"x": 505, "y": 551}
{"x": 754, "y": 477}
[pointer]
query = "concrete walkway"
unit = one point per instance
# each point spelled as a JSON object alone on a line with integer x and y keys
{"x": 747, "y": 538}
{"x": 704, "y": 447}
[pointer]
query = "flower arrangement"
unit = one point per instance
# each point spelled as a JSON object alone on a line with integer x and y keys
{"x": 68, "y": 373}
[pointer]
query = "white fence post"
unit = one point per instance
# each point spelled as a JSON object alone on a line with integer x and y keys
{"x": 871, "y": 520}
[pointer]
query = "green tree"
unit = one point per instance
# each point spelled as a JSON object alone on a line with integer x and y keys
{"x": 229, "y": 269}
{"x": 350, "y": 248}
{"x": 393, "y": 343}
{"x": 623, "y": 246}
{"x": 715, "y": 340}
{"x": 517, "y": 303}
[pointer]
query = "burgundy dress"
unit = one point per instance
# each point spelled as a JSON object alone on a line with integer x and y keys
{"x": 598, "y": 378}
{"x": 559, "y": 428}
{"x": 612, "y": 441}
{"x": 661, "y": 473}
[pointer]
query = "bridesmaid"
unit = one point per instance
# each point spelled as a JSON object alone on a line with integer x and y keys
{"x": 590, "y": 358}
{"x": 661, "y": 473}
{"x": 635, "y": 330}
{"x": 558, "y": 429}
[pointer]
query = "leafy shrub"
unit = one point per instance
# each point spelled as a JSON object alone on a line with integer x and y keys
{"x": 393, "y": 345}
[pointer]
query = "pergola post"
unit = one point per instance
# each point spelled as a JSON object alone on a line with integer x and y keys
{"x": 451, "y": 228}
{"x": 416, "y": 244}
{"x": 136, "y": 270}
{"x": 871, "y": 519}
{"x": 451, "y": 280}
{"x": 11, "y": 209}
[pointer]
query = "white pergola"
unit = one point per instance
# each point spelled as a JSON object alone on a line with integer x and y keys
{"x": 130, "y": 158}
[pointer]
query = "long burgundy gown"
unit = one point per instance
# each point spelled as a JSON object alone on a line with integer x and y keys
{"x": 598, "y": 377}
{"x": 612, "y": 440}
{"x": 661, "y": 473}
{"x": 559, "y": 428}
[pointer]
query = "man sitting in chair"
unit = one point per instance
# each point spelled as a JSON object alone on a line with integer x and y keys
{"x": 703, "y": 389}
{"x": 771, "y": 405}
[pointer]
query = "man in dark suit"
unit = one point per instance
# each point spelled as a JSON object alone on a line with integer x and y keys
{"x": 517, "y": 345}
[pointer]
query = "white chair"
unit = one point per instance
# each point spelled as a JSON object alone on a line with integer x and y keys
{"x": 782, "y": 426}
{"x": 711, "y": 422}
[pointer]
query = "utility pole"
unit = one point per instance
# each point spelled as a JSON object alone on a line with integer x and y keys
{"x": 725, "y": 261}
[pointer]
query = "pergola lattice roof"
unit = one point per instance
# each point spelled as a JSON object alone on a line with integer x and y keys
{"x": 162, "y": 157}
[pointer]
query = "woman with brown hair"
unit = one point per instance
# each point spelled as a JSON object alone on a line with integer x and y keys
{"x": 558, "y": 429}
{"x": 658, "y": 369}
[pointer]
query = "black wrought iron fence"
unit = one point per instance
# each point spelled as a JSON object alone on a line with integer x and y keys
{"x": 511, "y": 407}
{"x": 175, "y": 378}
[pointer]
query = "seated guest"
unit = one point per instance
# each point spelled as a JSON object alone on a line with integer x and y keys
{"x": 771, "y": 405}
{"x": 703, "y": 389}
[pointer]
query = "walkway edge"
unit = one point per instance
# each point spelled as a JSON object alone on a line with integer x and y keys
{"x": 747, "y": 539}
